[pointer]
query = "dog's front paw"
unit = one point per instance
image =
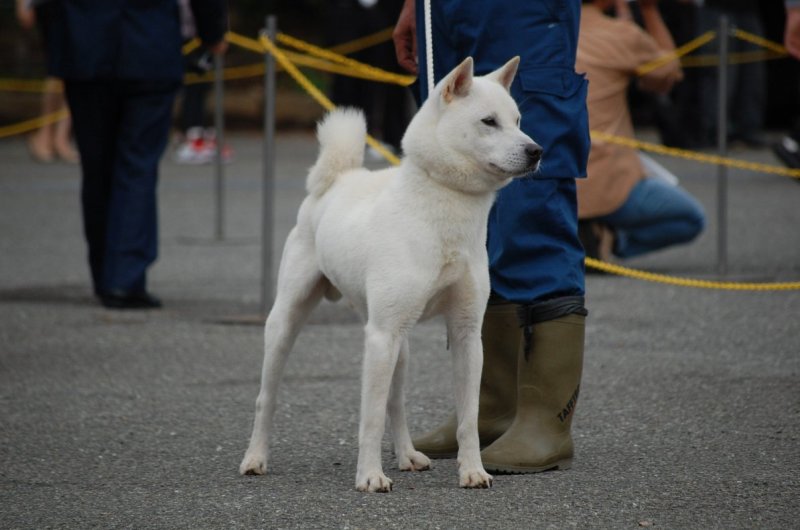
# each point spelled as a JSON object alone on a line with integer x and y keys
{"x": 374, "y": 483}
{"x": 413, "y": 461}
{"x": 475, "y": 478}
{"x": 253, "y": 464}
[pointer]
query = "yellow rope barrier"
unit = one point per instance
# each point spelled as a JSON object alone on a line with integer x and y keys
{"x": 376, "y": 73}
{"x": 301, "y": 60}
{"x": 327, "y": 60}
{"x": 759, "y": 41}
{"x": 312, "y": 90}
{"x": 677, "y": 53}
{"x": 32, "y": 125}
{"x": 286, "y": 61}
{"x": 229, "y": 74}
{"x": 601, "y": 265}
{"x": 368, "y": 41}
{"x": 693, "y": 155}
{"x": 333, "y": 62}
{"x": 38, "y": 86}
{"x": 190, "y": 46}
{"x": 689, "y": 282}
{"x": 701, "y": 61}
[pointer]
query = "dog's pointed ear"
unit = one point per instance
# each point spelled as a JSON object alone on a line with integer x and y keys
{"x": 458, "y": 82}
{"x": 505, "y": 74}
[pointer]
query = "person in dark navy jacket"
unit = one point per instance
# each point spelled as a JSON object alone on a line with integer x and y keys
{"x": 122, "y": 65}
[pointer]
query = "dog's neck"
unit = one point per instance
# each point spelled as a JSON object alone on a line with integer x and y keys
{"x": 441, "y": 203}
{"x": 419, "y": 176}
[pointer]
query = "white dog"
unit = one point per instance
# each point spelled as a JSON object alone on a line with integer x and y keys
{"x": 401, "y": 245}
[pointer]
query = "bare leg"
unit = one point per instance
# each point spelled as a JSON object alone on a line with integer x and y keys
{"x": 41, "y": 143}
{"x": 62, "y": 142}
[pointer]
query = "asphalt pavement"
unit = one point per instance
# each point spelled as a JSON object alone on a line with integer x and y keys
{"x": 689, "y": 414}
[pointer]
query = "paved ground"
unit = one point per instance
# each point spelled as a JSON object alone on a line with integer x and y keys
{"x": 689, "y": 414}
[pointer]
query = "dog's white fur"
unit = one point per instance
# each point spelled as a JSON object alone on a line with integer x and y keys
{"x": 401, "y": 244}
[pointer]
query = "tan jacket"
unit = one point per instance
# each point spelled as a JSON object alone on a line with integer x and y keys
{"x": 609, "y": 51}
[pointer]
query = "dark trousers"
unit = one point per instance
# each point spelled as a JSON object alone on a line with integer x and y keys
{"x": 193, "y": 106}
{"x": 746, "y": 91}
{"x": 121, "y": 128}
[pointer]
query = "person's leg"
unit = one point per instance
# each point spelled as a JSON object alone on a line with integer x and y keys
{"x": 95, "y": 111}
{"x": 655, "y": 215}
{"x": 41, "y": 142}
{"x": 749, "y": 96}
{"x": 63, "y": 140}
{"x": 132, "y": 236}
{"x": 706, "y": 122}
{"x": 534, "y": 250}
{"x": 193, "y": 106}
{"x": 536, "y": 262}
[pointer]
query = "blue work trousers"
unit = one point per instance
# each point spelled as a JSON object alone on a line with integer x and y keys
{"x": 533, "y": 246}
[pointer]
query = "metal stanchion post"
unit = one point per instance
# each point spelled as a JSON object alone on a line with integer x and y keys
{"x": 268, "y": 187}
{"x": 722, "y": 146}
{"x": 219, "y": 125}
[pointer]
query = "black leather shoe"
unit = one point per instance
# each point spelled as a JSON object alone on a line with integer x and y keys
{"x": 129, "y": 300}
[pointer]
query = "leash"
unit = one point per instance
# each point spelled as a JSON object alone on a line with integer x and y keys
{"x": 428, "y": 46}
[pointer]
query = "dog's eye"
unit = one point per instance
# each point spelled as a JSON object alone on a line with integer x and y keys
{"x": 490, "y": 121}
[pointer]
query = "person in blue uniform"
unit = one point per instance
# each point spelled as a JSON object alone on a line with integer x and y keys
{"x": 533, "y": 331}
{"x": 122, "y": 65}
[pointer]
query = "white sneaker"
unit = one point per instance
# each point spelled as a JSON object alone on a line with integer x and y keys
{"x": 195, "y": 149}
{"x": 210, "y": 139}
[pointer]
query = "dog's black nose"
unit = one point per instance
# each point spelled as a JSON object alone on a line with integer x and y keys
{"x": 533, "y": 152}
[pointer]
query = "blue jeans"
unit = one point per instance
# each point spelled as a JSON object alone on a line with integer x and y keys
{"x": 656, "y": 215}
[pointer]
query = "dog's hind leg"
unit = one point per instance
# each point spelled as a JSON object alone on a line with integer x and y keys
{"x": 300, "y": 287}
{"x": 381, "y": 351}
{"x": 408, "y": 459}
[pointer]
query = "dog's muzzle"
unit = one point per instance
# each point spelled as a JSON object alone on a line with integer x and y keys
{"x": 534, "y": 153}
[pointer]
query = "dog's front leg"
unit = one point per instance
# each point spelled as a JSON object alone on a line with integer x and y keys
{"x": 408, "y": 459}
{"x": 468, "y": 361}
{"x": 381, "y": 350}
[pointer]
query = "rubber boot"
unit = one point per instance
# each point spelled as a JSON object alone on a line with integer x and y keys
{"x": 502, "y": 340}
{"x": 549, "y": 378}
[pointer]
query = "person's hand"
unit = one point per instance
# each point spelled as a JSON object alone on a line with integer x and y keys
{"x": 26, "y": 16}
{"x": 623, "y": 10}
{"x": 405, "y": 38}
{"x": 219, "y": 48}
{"x": 791, "y": 37}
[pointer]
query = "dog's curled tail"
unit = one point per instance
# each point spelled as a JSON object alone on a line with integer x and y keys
{"x": 341, "y": 133}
